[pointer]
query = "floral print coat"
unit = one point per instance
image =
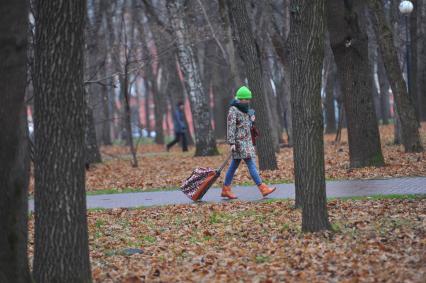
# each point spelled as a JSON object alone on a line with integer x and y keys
{"x": 239, "y": 124}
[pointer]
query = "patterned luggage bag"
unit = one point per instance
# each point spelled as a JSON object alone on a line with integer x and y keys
{"x": 200, "y": 181}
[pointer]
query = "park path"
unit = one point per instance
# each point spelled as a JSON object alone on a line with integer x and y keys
{"x": 347, "y": 188}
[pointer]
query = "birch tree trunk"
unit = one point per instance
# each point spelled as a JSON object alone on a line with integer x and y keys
{"x": 205, "y": 143}
{"x": 307, "y": 53}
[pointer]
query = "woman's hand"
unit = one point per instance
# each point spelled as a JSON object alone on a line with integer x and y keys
{"x": 233, "y": 147}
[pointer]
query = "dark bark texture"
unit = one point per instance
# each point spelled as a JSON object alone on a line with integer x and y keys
{"x": 421, "y": 71}
{"x": 348, "y": 38}
{"x": 14, "y": 157}
{"x": 14, "y": 154}
{"x": 413, "y": 56}
{"x": 61, "y": 251}
{"x": 307, "y": 54}
{"x": 250, "y": 53}
{"x": 91, "y": 149}
{"x": 205, "y": 143}
{"x": 406, "y": 111}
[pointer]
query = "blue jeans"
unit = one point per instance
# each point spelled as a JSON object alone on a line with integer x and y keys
{"x": 233, "y": 167}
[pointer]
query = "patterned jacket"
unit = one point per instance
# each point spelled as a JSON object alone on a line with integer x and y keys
{"x": 238, "y": 124}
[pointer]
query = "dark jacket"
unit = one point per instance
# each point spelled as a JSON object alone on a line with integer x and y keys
{"x": 179, "y": 121}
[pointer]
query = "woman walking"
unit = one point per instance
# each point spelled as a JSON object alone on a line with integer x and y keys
{"x": 239, "y": 135}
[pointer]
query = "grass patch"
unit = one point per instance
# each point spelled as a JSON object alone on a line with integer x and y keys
{"x": 380, "y": 197}
{"x": 99, "y": 223}
{"x": 216, "y": 218}
{"x": 149, "y": 240}
{"x": 97, "y": 209}
{"x": 262, "y": 259}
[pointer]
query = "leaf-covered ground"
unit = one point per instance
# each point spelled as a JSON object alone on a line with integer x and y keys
{"x": 375, "y": 241}
{"x": 161, "y": 169}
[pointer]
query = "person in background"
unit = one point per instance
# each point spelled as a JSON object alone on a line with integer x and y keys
{"x": 241, "y": 137}
{"x": 179, "y": 127}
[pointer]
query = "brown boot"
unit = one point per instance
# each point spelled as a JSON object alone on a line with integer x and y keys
{"x": 265, "y": 190}
{"x": 226, "y": 193}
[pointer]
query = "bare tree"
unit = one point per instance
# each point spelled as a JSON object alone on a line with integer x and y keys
{"x": 128, "y": 51}
{"x": 250, "y": 53}
{"x": 279, "y": 39}
{"x": 150, "y": 72}
{"x": 307, "y": 54}
{"x": 409, "y": 124}
{"x": 61, "y": 251}
{"x": 205, "y": 142}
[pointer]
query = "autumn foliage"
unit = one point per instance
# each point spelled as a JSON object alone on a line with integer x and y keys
{"x": 372, "y": 241}
{"x": 159, "y": 169}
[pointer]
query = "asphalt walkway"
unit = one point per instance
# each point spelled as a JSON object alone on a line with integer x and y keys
{"x": 349, "y": 188}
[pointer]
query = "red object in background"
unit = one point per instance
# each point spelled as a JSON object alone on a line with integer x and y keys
{"x": 254, "y": 134}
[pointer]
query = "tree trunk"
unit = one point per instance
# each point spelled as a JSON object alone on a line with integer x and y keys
{"x": 287, "y": 109}
{"x": 14, "y": 157}
{"x": 158, "y": 110}
{"x": 307, "y": 25}
{"x": 128, "y": 114}
{"x": 93, "y": 56}
{"x": 105, "y": 97}
{"x": 275, "y": 125}
{"x": 397, "y": 139}
{"x": 61, "y": 250}
{"x": 249, "y": 51}
{"x": 222, "y": 96}
{"x": 205, "y": 143}
{"x": 147, "y": 106}
{"x": 330, "y": 115}
{"x": 151, "y": 76}
{"x": 384, "y": 90}
{"x": 373, "y": 55}
{"x": 281, "y": 48}
{"x": 91, "y": 153}
{"x": 349, "y": 42}
{"x": 412, "y": 46}
{"x": 421, "y": 72}
{"x": 409, "y": 123}
{"x": 278, "y": 81}
{"x": 229, "y": 44}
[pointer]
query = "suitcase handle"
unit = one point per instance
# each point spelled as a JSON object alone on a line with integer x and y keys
{"x": 219, "y": 170}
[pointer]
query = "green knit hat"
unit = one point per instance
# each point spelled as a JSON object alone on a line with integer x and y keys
{"x": 243, "y": 93}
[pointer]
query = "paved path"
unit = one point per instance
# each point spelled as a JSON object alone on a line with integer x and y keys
{"x": 412, "y": 185}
